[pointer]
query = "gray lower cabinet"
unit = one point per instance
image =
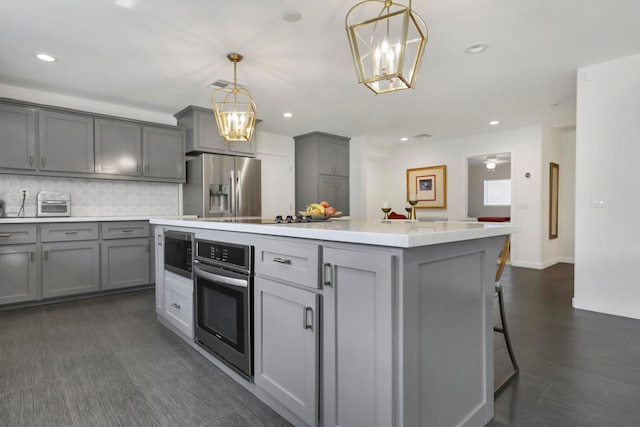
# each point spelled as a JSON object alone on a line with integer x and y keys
{"x": 287, "y": 346}
{"x": 124, "y": 263}
{"x": 17, "y": 137}
{"x": 118, "y": 147}
{"x": 65, "y": 142}
{"x": 163, "y": 153}
{"x": 357, "y": 338}
{"x": 18, "y": 267}
{"x": 70, "y": 268}
{"x": 159, "y": 269}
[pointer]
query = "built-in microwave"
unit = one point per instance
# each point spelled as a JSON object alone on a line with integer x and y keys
{"x": 178, "y": 252}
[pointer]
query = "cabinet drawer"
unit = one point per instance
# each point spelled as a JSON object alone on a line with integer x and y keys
{"x": 179, "y": 302}
{"x": 124, "y": 229}
{"x": 17, "y": 234}
{"x": 290, "y": 261}
{"x": 69, "y": 232}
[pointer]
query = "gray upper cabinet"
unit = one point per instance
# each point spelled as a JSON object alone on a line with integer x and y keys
{"x": 118, "y": 147}
{"x": 333, "y": 155}
{"x": 322, "y": 170}
{"x": 163, "y": 153}
{"x": 49, "y": 141}
{"x": 17, "y": 137}
{"x": 65, "y": 142}
{"x": 203, "y": 136}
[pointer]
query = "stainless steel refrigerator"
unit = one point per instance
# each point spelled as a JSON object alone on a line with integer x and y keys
{"x": 223, "y": 186}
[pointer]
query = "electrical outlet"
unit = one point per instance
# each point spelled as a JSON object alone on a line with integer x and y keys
{"x": 22, "y": 193}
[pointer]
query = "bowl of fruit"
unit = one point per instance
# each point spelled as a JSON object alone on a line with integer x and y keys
{"x": 320, "y": 211}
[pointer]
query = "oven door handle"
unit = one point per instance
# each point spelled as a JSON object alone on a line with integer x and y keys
{"x": 212, "y": 277}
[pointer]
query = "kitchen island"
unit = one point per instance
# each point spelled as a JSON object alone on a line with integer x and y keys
{"x": 368, "y": 322}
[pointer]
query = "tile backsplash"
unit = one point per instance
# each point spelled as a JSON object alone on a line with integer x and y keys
{"x": 92, "y": 197}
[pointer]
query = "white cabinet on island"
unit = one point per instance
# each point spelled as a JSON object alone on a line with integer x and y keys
{"x": 406, "y": 319}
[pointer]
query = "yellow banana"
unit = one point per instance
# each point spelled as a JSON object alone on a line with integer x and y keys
{"x": 316, "y": 206}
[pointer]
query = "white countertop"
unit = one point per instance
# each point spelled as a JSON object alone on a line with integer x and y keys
{"x": 394, "y": 233}
{"x": 38, "y": 220}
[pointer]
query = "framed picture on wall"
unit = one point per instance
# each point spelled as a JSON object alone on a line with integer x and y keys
{"x": 428, "y": 185}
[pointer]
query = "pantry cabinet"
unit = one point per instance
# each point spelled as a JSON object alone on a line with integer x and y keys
{"x": 322, "y": 170}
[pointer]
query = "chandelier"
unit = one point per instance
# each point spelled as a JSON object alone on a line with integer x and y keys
{"x": 234, "y": 109}
{"x": 387, "y": 48}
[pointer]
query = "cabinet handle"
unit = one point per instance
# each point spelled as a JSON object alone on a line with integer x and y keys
{"x": 138, "y": 167}
{"x": 5, "y": 235}
{"x": 71, "y": 232}
{"x": 33, "y": 256}
{"x": 46, "y": 255}
{"x": 328, "y": 274}
{"x": 127, "y": 230}
{"x": 159, "y": 239}
{"x": 282, "y": 261}
{"x": 175, "y": 305}
{"x": 305, "y": 321}
{"x": 146, "y": 168}
{"x": 42, "y": 160}
{"x": 31, "y": 160}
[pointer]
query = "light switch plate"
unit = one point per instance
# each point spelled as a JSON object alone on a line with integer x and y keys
{"x": 598, "y": 202}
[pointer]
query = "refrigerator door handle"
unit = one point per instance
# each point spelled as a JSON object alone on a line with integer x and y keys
{"x": 232, "y": 188}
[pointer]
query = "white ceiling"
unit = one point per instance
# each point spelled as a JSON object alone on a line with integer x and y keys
{"x": 160, "y": 55}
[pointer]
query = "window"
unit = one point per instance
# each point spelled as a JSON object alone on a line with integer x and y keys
{"x": 497, "y": 192}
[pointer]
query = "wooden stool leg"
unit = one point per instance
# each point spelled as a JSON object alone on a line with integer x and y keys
{"x": 505, "y": 331}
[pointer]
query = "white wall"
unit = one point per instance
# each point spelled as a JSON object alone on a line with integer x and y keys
{"x": 607, "y": 240}
{"x": 277, "y": 153}
{"x": 57, "y": 100}
{"x": 567, "y": 194}
{"x": 386, "y": 181}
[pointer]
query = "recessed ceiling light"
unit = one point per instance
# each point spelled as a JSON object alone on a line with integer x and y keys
{"x": 494, "y": 122}
{"x": 291, "y": 15}
{"x": 403, "y": 139}
{"x": 287, "y": 115}
{"x": 44, "y": 57}
{"x": 476, "y": 48}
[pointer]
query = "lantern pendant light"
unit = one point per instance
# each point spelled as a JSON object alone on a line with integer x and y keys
{"x": 387, "y": 47}
{"x": 234, "y": 109}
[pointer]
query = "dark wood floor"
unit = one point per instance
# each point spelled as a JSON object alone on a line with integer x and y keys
{"x": 108, "y": 362}
{"x": 578, "y": 368}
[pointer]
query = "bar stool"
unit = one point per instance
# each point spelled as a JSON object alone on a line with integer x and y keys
{"x": 503, "y": 328}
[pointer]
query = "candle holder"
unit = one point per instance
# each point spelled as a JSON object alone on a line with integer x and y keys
{"x": 412, "y": 211}
{"x": 386, "y": 212}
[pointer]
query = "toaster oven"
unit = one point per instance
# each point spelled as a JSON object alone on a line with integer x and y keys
{"x": 50, "y": 203}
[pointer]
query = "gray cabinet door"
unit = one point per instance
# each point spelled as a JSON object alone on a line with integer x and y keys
{"x": 333, "y": 156}
{"x": 17, "y": 137}
{"x": 18, "y": 273}
{"x": 286, "y": 344}
{"x": 358, "y": 318}
{"x": 163, "y": 153}
{"x": 335, "y": 190}
{"x": 124, "y": 263}
{"x": 70, "y": 268}
{"x": 65, "y": 142}
{"x": 202, "y": 134}
{"x": 118, "y": 147}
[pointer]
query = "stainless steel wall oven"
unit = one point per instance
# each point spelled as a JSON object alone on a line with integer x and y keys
{"x": 223, "y": 277}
